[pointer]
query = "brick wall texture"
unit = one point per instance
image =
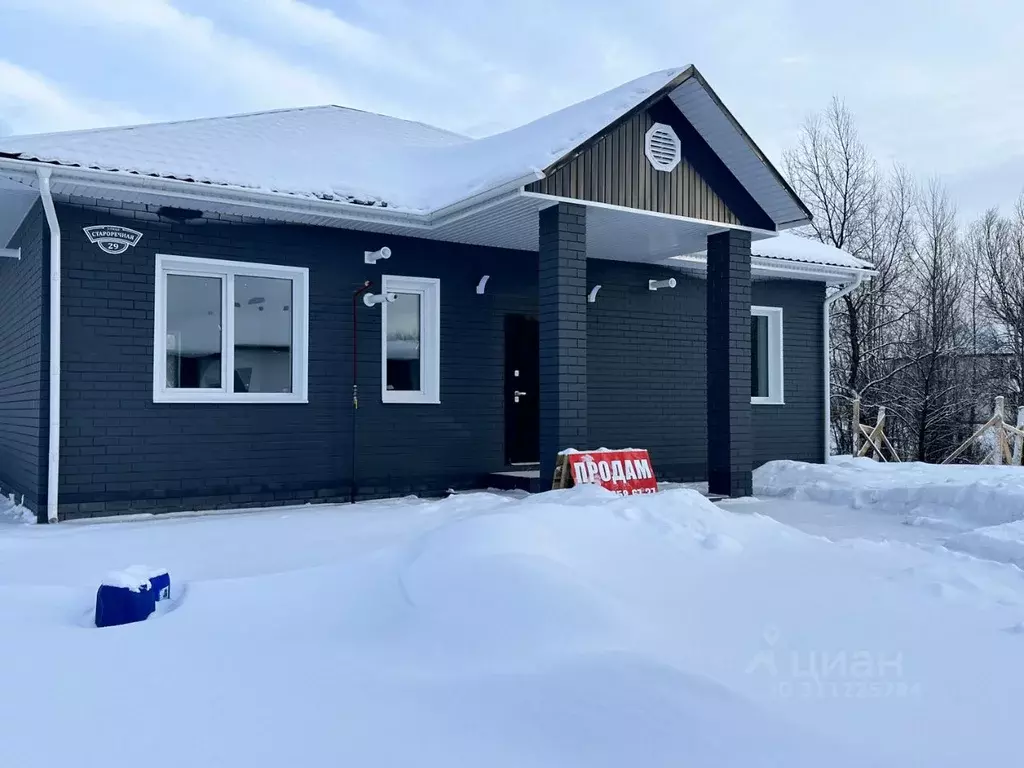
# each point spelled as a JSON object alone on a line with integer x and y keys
{"x": 24, "y": 350}
{"x": 644, "y": 369}
{"x": 562, "y": 282}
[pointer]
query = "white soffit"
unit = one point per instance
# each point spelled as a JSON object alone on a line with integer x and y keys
{"x": 511, "y": 222}
{"x": 622, "y": 235}
{"x": 16, "y": 201}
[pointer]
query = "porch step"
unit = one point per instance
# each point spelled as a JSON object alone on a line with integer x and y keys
{"x": 524, "y": 479}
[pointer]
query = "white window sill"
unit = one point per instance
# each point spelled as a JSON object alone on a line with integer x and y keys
{"x": 409, "y": 398}
{"x": 766, "y": 401}
{"x": 255, "y": 398}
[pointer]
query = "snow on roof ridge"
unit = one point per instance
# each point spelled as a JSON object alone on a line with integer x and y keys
{"x": 422, "y": 123}
{"x": 131, "y": 126}
{"x": 234, "y": 116}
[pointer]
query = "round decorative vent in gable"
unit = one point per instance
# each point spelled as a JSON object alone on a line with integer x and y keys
{"x": 661, "y": 145}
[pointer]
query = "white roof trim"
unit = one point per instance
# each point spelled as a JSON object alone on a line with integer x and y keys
{"x": 798, "y": 252}
{"x": 720, "y": 226}
{"x": 509, "y": 221}
{"x": 765, "y": 267}
{"x": 726, "y": 137}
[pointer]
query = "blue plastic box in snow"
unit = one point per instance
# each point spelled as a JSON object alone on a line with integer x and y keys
{"x": 116, "y": 604}
{"x": 160, "y": 583}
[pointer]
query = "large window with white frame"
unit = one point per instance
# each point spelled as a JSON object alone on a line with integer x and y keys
{"x": 766, "y": 372}
{"x": 411, "y": 340}
{"x": 229, "y": 331}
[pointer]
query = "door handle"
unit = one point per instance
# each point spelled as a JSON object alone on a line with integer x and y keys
{"x": 517, "y": 393}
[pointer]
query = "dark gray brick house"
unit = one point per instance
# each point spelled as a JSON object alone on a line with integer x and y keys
{"x": 324, "y": 304}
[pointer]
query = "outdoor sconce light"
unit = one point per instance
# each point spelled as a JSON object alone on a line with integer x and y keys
{"x": 372, "y": 299}
{"x": 372, "y": 257}
{"x": 180, "y": 215}
{"x": 654, "y": 285}
{"x": 592, "y": 296}
{"x": 10, "y": 253}
{"x": 482, "y": 285}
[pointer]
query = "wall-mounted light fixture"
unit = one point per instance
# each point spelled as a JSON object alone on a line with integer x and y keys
{"x": 10, "y": 253}
{"x": 482, "y": 285}
{"x": 592, "y": 296}
{"x": 372, "y": 257}
{"x": 653, "y": 285}
{"x": 180, "y": 215}
{"x": 372, "y": 299}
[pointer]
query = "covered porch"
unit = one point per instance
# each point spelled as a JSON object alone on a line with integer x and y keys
{"x": 566, "y": 232}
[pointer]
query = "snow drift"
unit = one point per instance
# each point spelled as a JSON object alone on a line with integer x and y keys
{"x": 958, "y": 497}
{"x": 1002, "y": 543}
{"x": 571, "y": 628}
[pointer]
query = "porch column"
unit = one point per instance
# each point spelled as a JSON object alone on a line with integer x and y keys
{"x": 562, "y": 301}
{"x": 730, "y": 434}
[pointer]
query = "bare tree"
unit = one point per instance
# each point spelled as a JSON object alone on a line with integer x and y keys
{"x": 867, "y": 213}
{"x": 940, "y": 330}
{"x": 934, "y": 402}
{"x": 832, "y": 172}
{"x": 998, "y": 245}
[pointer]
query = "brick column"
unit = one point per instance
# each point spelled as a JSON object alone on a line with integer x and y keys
{"x": 730, "y": 435}
{"x": 562, "y": 287}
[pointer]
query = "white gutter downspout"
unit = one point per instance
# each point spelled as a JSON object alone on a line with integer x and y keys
{"x": 829, "y": 301}
{"x": 53, "y": 456}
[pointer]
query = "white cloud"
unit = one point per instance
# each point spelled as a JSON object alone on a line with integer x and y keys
{"x": 29, "y": 103}
{"x": 935, "y": 91}
{"x": 191, "y": 45}
{"x": 294, "y": 21}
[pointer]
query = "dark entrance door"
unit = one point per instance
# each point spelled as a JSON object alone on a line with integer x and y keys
{"x": 522, "y": 389}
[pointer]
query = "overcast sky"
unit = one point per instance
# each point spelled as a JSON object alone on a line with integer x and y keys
{"x": 938, "y": 90}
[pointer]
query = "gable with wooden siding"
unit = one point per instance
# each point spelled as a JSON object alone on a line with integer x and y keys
{"x": 613, "y": 169}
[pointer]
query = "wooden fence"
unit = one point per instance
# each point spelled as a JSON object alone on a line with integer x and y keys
{"x": 874, "y": 438}
{"x": 1009, "y": 439}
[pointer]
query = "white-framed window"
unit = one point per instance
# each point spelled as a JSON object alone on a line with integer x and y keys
{"x": 766, "y": 372}
{"x": 410, "y": 339}
{"x": 229, "y": 332}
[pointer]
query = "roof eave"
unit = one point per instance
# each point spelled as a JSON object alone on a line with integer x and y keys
{"x": 115, "y": 181}
{"x": 25, "y": 172}
{"x": 766, "y": 265}
{"x": 756, "y": 150}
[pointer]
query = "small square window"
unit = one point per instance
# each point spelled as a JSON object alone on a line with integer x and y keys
{"x": 766, "y": 369}
{"x": 410, "y": 340}
{"x": 229, "y": 331}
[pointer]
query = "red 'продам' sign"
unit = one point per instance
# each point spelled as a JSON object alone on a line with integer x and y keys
{"x": 625, "y": 472}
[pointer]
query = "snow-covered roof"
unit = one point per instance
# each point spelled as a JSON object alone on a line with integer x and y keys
{"x": 345, "y": 155}
{"x": 790, "y": 247}
{"x": 792, "y": 252}
{"x": 322, "y": 152}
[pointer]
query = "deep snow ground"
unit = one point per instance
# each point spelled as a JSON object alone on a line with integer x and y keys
{"x": 951, "y": 498}
{"x": 568, "y": 629}
{"x": 841, "y": 523}
{"x": 978, "y": 510}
